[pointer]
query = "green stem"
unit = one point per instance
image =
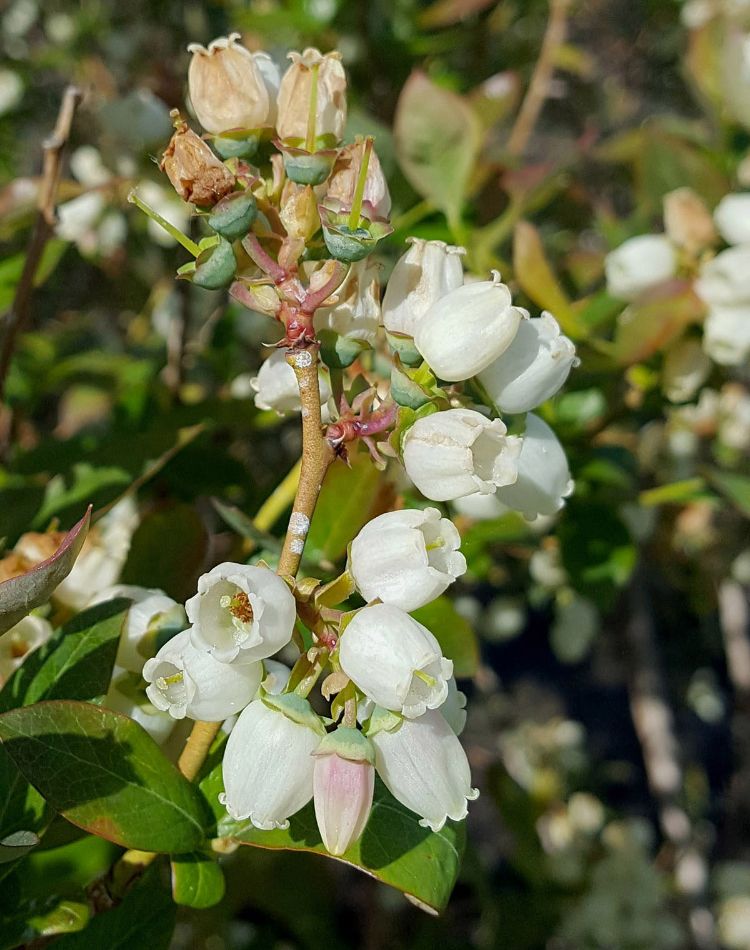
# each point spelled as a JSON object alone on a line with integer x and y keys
{"x": 355, "y": 213}
{"x": 413, "y": 216}
{"x": 312, "y": 114}
{"x": 183, "y": 239}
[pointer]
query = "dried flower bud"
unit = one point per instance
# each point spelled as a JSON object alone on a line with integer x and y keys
{"x": 297, "y": 87}
{"x": 299, "y": 211}
{"x": 195, "y": 172}
{"x": 343, "y": 181}
{"x": 227, "y": 87}
{"x": 687, "y": 220}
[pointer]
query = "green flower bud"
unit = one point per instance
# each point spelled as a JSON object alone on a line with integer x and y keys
{"x": 233, "y": 215}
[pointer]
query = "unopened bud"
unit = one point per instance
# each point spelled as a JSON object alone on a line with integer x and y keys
{"x": 195, "y": 172}
{"x": 343, "y": 785}
{"x": 299, "y": 211}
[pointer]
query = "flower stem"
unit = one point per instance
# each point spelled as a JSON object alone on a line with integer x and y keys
{"x": 355, "y": 213}
{"x": 312, "y": 114}
{"x": 317, "y": 455}
{"x": 196, "y": 748}
{"x": 183, "y": 239}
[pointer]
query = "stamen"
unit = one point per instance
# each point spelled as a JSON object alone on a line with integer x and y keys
{"x": 426, "y": 678}
{"x": 164, "y": 681}
{"x": 434, "y": 545}
{"x": 238, "y": 605}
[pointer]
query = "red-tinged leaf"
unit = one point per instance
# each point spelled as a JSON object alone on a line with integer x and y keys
{"x": 651, "y": 324}
{"x": 534, "y": 274}
{"x": 20, "y": 595}
{"x": 447, "y": 12}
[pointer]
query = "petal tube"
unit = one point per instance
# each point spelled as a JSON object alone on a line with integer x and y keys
{"x": 343, "y": 799}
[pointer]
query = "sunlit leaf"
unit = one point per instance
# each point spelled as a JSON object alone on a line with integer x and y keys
{"x": 197, "y": 880}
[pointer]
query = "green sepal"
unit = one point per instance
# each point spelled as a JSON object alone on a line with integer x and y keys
{"x": 353, "y": 244}
{"x": 233, "y": 215}
{"x": 405, "y": 420}
{"x": 414, "y": 388}
{"x": 348, "y": 744}
{"x": 307, "y": 168}
{"x": 335, "y": 591}
{"x": 382, "y": 720}
{"x": 338, "y": 351}
{"x": 215, "y": 267}
{"x": 296, "y": 708}
{"x": 404, "y": 347}
{"x": 239, "y": 143}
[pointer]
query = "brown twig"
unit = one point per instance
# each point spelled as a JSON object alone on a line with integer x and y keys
{"x": 317, "y": 455}
{"x": 734, "y": 618}
{"x": 654, "y": 725}
{"x": 44, "y": 226}
{"x": 539, "y": 87}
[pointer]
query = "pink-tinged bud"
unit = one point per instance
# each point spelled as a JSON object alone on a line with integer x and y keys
{"x": 343, "y": 783}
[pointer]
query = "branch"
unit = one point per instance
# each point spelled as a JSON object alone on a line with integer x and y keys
{"x": 654, "y": 725}
{"x": 317, "y": 455}
{"x": 44, "y": 226}
{"x": 536, "y": 94}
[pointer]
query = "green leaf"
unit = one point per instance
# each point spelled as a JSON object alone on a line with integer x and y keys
{"x": 734, "y": 487}
{"x": 145, "y": 918}
{"x": 76, "y": 663}
{"x": 87, "y": 482}
{"x": 675, "y": 493}
{"x": 394, "y": 848}
{"x": 438, "y": 136}
{"x": 104, "y": 773}
{"x": 12, "y": 267}
{"x": 20, "y": 595}
{"x": 534, "y": 274}
{"x": 197, "y": 880}
{"x": 344, "y": 506}
{"x": 167, "y": 551}
{"x": 453, "y": 632}
{"x": 16, "y": 845}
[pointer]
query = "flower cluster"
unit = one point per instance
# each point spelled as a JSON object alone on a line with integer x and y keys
{"x": 293, "y": 216}
{"x": 688, "y": 252}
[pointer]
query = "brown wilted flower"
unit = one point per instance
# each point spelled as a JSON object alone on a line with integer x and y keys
{"x": 296, "y": 90}
{"x": 195, "y": 172}
{"x": 343, "y": 181}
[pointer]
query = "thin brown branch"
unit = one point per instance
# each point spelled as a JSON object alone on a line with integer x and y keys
{"x": 654, "y": 725}
{"x": 541, "y": 78}
{"x": 44, "y": 225}
{"x": 317, "y": 455}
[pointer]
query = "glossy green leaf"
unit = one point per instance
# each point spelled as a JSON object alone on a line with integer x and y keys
{"x": 453, "y": 632}
{"x": 438, "y": 136}
{"x": 197, "y": 880}
{"x": 145, "y": 919}
{"x": 104, "y": 773}
{"x": 675, "y": 493}
{"x": 76, "y": 663}
{"x": 168, "y": 551}
{"x": 16, "y": 845}
{"x": 344, "y": 506}
{"x": 20, "y": 595}
{"x": 394, "y": 848}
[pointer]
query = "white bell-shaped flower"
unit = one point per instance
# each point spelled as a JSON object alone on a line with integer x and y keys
{"x": 726, "y": 335}
{"x": 480, "y": 507}
{"x": 724, "y": 281}
{"x": 544, "y": 480}
{"x": 268, "y": 763}
{"x": 406, "y": 558}
{"x": 468, "y": 329}
{"x": 424, "y": 766}
{"x": 22, "y": 638}
{"x": 241, "y": 612}
{"x": 276, "y": 385}
{"x": 453, "y": 709}
{"x": 356, "y": 313}
{"x": 639, "y": 264}
{"x": 394, "y": 660}
{"x": 150, "y": 610}
{"x": 458, "y": 452}
{"x": 185, "y": 681}
{"x": 276, "y": 677}
{"x": 343, "y": 785}
{"x": 425, "y": 273}
{"x": 295, "y": 95}
{"x": 532, "y": 369}
{"x": 732, "y": 217}
{"x": 227, "y": 86}
{"x": 127, "y": 696}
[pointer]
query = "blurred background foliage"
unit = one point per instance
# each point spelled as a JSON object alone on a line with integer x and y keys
{"x": 604, "y": 638}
